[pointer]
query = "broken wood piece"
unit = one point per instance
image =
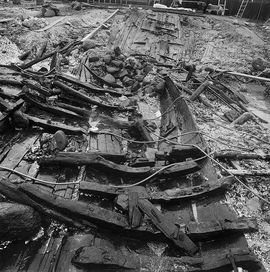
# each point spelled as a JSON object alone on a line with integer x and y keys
{"x": 49, "y": 108}
{"x": 107, "y": 258}
{"x": 77, "y": 209}
{"x": 241, "y": 156}
{"x": 37, "y": 87}
{"x": 17, "y": 221}
{"x": 13, "y": 82}
{"x": 92, "y": 34}
{"x": 246, "y": 116}
{"x": 81, "y": 158}
{"x": 52, "y": 127}
{"x": 134, "y": 214}
{"x": 239, "y": 74}
{"x": 179, "y": 153}
{"x": 89, "y": 86}
{"x": 168, "y": 228}
{"x": 206, "y": 230}
{"x": 251, "y": 172}
{"x": 179, "y": 169}
{"x": 78, "y": 110}
{"x": 61, "y": 51}
{"x": 169, "y": 195}
{"x": 86, "y": 98}
{"x": 42, "y": 49}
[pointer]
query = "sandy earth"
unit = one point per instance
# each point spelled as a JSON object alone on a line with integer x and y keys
{"x": 218, "y": 42}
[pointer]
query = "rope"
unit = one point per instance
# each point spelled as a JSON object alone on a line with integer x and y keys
{"x": 2, "y": 168}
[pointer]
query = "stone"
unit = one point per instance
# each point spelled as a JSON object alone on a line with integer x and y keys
{"x": 123, "y": 73}
{"x": 60, "y": 140}
{"x": 49, "y": 13}
{"x": 112, "y": 70}
{"x": 127, "y": 81}
{"x": 109, "y": 78}
{"x": 107, "y": 59}
{"x": 118, "y": 63}
{"x": 18, "y": 222}
{"x": 254, "y": 204}
{"x": 88, "y": 44}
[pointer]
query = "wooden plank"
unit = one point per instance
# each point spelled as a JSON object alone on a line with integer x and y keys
{"x": 168, "y": 228}
{"x": 178, "y": 169}
{"x": 17, "y": 152}
{"x": 70, "y": 246}
{"x": 166, "y": 196}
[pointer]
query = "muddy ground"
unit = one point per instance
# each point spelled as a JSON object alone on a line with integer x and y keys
{"x": 214, "y": 41}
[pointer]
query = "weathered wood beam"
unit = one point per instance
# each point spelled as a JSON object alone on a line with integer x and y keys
{"x": 89, "y": 86}
{"x": 168, "y": 228}
{"x": 54, "y": 126}
{"x": 241, "y": 156}
{"x": 88, "y": 99}
{"x": 81, "y": 158}
{"x": 170, "y": 195}
{"x": 107, "y": 258}
{"x": 181, "y": 168}
{"x": 58, "y": 111}
{"x": 37, "y": 87}
{"x": 252, "y": 172}
{"x": 199, "y": 90}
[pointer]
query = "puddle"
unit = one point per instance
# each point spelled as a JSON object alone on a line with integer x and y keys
{"x": 258, "y": 103}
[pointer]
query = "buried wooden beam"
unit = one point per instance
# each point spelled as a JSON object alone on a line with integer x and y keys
{"x": 89, "y": 86}
{"x": 264, "y": 79}
{"x": 58, "y": 111}
{"x": 251, "y": 172}
{"x": 199, "y": 90}
{"x": 79, "y": 214}
{"x": 110, "y": 258}
{"x": 241, "y": 156}
{"x": 50, "y": 126}
{"x": 181, "y": 168}
{"x": 169, "y": 195}
{"x": 168, "y": 228}
{"x": 11, "y": 192}
{"x": 81, "y": 158}
{"x": 87, "y": 98}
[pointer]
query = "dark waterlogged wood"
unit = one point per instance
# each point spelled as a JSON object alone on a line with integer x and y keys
{"x": 86, "y": 98}
{"x": 58, "y": 111}
{"x": 11, "y": 192}
{"x": 169, "y": 195}
{"x": 37, "y": 87}
{"x": 52, "y": 127}
{"x": 112, "y": 259}
{"x": 88, "y": 86}
{"x": 106, "y": 258}
{"x": 168, "y": 228}
{"x": 180, "y": 169}
{"x": 81, "y": 158}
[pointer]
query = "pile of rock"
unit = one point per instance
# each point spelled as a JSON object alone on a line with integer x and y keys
{"x": 114, "y": 67}
{"x": 34, "y": 23}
